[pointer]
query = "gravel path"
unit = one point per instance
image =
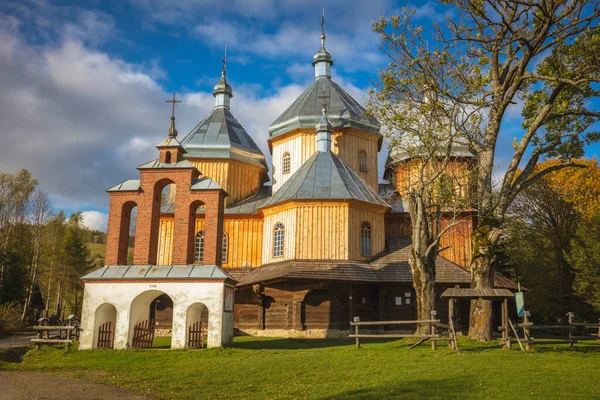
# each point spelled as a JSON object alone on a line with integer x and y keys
{"x": 13, "y": 341}
{"x": 32, "y": 386}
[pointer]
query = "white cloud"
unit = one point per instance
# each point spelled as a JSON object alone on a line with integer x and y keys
{"x": 95, "y": 220}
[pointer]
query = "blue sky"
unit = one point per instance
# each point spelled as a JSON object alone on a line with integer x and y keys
{"x": 83, "y": 84}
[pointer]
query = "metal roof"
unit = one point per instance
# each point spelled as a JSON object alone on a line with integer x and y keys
{"x": 169, "y": 142}
{"x": 155, "y": 164}
{"x": 305, "y": 112}
{"x": 130, "y": 185}
{"x": 220, "y": 135}
{"x": 325, "y": 176}
{"x": 158, "y": 272}
{"x": 204, "y": 183}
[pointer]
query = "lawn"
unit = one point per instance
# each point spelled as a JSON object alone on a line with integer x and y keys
{"x": 333, "y": 368}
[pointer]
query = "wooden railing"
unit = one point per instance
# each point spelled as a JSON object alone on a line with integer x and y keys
{"x": 41, "y": 330}
{"x": 432, "y": 328}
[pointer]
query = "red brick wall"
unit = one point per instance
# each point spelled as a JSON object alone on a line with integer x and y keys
{"x": 148, "y": 200}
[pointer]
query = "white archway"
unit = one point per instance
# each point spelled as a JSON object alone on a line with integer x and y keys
{"x": 140, "y": 311}
{"x": 104, "y": 326}
{"x": 196, "y": 334}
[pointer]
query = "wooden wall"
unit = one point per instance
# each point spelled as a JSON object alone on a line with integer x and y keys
{"x": 287, "y": 216}
{"x": 238, "y": 179}
{"x": 376, "y": 218}
{"x": 300, "y": 145}
{"x": 244, "y": 235}
{"x": 322, "y": 231}
{"x": 347, "y": 146}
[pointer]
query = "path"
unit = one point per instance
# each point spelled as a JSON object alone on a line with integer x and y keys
{"x": 30, "y": 386}
{"x": 14, "y": 341}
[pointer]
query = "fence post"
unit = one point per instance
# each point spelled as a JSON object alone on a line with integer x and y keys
{"x": 432, "y": 315}
{"x": 356, "y": 320}
{"x": 526, "y": 330}
{"x": 570, "y": 315}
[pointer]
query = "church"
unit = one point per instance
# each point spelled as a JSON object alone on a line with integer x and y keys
{"x": 225, "y": 243}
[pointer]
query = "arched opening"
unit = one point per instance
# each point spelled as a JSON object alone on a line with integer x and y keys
{"x": 151, "y": 320}
{"x": 105, "y": 320}
{"x": 362, "y": 158}
{"x": 196, "y": 333}
{"x": 286, "y": 163}
{"x": 168, "y": 157}
{"x": 127, "y": 233}
{"x": 166, "y": 192}
{"x": 365, "y": 238}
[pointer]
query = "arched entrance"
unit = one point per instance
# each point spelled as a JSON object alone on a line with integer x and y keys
{"x": 104, "y": 326}
{"x": 196, "y": 326}
{"x": 151, "y": 311}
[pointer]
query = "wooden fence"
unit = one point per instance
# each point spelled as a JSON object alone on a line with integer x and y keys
{"x": 432, "y": 327}
{"x": 106, "y": 336}
{"x": 143, "y": 335}
{"x": 45, "y": 331}
{"x": 196, "y": 333}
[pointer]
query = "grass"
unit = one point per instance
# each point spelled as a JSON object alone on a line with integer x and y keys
{"x": 96, "y": 249}
{"x": 334, "y": 368}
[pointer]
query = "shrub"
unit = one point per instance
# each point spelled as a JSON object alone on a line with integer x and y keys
{"x": 10, "y": 317}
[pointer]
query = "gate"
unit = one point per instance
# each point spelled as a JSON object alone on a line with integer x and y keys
{"x": 143, "y": 334}
{"x": 106, "y": 336}
{"x": 196, "y": 333}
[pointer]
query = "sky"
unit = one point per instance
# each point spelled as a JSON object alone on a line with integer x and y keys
{"x": 83, "y": 84}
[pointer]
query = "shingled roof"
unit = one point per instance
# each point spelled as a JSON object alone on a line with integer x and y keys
{"x": 390, "y": 266}
{"x": 305, "y": 112}
{"x": 220, "y": 135}
{"x": 325, "y": 176}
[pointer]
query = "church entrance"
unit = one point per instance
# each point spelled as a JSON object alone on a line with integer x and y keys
{"x": 104, "y": 331}
{"x": 151, "y": 320}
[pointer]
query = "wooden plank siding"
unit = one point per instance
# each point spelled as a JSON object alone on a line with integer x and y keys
{"x": 238, "y": 179}
{"x": 300, "y": 145}
{"x": 377, "y": 220}
{"x": 322, "y": 231}
{"x": 348, "y": 144}
{"x": 287, "y": 217}
{"x": 244, "y": 236}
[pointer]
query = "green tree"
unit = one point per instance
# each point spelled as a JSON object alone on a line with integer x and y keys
{"x": 490, "y": 55}
{"x": 585, "y": 258}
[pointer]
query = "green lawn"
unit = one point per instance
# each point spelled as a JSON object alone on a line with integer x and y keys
{"x": 294, "y": 368}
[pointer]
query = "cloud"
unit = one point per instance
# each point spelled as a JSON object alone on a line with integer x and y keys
{"x": 95, "y": 220}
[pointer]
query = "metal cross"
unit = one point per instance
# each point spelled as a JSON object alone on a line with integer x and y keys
{"x": 325, "y": 97}
{"x": 174, "y": 101}
{"x": 225, "y": 60}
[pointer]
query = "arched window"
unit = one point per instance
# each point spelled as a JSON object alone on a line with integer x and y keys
{"x": 199, "y": 253}
{"x": 278, "y": 234}
{"x": 168, "y": 157}
{"x": 225, "y": 247}
{"x": 286, "y": 163}
{"x": 365, "y": 238}
{"x": 362, "y": 157}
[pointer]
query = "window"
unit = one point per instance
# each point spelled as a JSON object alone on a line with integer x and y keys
{"x": 286, "y": 163}
{"x": 168, "y": 157}
{"x": 225, "y": 244}
{"x": 199, "y": 253}
{"x": 365, "y": 238}
{"x": 278, "y": 233}
{"x": 362, "y": 157}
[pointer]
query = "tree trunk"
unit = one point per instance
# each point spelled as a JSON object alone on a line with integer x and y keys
{"x": 483, "y": 268}
{"x": 423, "y": 271}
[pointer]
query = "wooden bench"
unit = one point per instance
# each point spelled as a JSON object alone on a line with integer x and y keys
{"x": 53, "y": 340}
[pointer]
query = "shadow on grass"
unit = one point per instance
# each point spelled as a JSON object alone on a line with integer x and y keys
{"x": 415, "y": 389}
{"x": 296, "y": 343}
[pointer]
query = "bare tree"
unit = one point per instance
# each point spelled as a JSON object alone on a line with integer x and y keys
{"x": 490, "y": 55}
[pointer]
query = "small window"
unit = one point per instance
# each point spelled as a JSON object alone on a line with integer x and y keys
{"x": 365, "y": 238}
{"x": 199, "y": 253}
{"x": 168, "y": 157}
{"x": 286, "y": 163}
{"x": 225, "y": 246}
{"x": 362, "y": 157}
{"x": 278, "y": 234}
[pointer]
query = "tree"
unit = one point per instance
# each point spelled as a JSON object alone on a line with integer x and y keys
{"x": 431, "y": 173}
{"x": 491, "y": 55}
{"x": 585, "y": 258}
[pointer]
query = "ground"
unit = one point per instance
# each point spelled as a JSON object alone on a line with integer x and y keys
{"x": 305, "y": 368}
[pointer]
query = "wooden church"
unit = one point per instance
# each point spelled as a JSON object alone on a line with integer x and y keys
{"x": 324, "y": 241}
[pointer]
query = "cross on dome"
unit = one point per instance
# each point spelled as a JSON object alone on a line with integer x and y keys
{"x": 172, "y": 130}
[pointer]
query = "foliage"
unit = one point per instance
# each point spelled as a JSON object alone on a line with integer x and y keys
{"x": 585, "y": 258}
{"x": 332, "y": 368}
{"x": 485, "y": 59}
{"x": 10, "y": 317}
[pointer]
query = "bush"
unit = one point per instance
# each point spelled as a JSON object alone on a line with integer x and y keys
{"x": 10, "y": 317}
